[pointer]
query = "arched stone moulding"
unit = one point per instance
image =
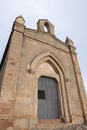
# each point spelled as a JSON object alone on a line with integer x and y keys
{"x": 44, "y": 57}
{"x": 60, "y": 72}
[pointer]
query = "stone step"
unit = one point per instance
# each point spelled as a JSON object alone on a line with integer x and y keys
{"x": 49, "y": 123}
{"x": 60, "y": 126}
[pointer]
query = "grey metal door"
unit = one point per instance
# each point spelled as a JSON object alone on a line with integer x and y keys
{"x": 47, "y": 98}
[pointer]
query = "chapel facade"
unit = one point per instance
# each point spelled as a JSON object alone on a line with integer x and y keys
{"x": 40, "y": 81}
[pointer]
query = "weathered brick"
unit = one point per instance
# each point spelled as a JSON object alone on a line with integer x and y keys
{"x": 29, "y": 55}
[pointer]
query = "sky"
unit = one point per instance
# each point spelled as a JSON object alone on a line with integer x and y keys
{"x": 68, "y": 16}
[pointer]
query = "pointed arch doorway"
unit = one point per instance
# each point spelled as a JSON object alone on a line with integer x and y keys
{"x": 48, "y": 104}
{"x": 47, "y": 65}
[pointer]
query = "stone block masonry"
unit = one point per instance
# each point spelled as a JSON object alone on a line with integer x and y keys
{"x": 35, "y": 62}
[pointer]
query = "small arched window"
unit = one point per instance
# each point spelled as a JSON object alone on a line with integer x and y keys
{"x": 46, "y": 27}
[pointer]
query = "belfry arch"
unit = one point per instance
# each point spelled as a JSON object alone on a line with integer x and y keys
{"x": 45, "y": 23}
{"x": 39, "y": 68}
{"x": 47, "y": 27}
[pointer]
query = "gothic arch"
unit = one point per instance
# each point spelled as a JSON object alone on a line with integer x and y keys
{"x": 43, "y": 57}
{"x": 60, "y": 70}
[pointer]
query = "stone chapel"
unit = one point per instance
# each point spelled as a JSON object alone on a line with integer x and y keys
{"x": 41, "y": 87}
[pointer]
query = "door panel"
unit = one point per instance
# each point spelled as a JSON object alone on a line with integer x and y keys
{"x": 42, "y": 109}
{"x": 48, "y": 107}
{"x": 52, "y": 98}
{"x": 42, "y": 104}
